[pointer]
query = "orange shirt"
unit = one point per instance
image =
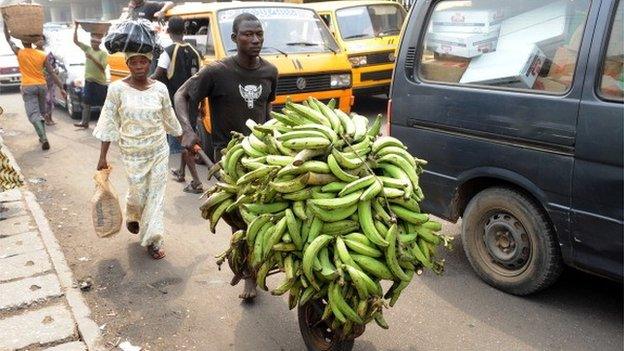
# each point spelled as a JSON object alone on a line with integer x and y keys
{"x": 32, "y": 65}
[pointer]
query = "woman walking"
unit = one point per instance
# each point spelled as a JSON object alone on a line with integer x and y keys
{"x": 138, "y": 115}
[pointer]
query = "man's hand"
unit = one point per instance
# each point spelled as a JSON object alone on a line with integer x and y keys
{"x": 189, "y": 139}
{"x": 102, "y": 164}
{"x": 64, "y": 94}
{"x": 160, "y": 15}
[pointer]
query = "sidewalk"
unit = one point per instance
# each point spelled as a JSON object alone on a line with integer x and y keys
{"x": 41, "y": 308}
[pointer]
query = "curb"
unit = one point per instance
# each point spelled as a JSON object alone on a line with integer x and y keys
{"x": 87, "y": 328}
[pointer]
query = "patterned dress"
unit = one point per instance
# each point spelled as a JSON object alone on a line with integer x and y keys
{"x": 139, "y": 121}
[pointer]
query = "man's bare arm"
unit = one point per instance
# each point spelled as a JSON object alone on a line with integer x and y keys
{"x": 182, "y": 100}
{"x": 161, "y": 14}
{"x": 76, "y": 41}
{"x": 7, "y": 36}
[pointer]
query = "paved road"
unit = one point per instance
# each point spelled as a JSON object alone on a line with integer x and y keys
{"x": 184, "y": 302}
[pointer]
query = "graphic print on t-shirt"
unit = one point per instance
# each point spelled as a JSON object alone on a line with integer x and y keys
{"x": 250, "y": 93}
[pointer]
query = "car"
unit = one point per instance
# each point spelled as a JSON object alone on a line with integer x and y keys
{"x": 70, "y": 66}
{"x": 368, "y": 31}
{"x": 9, "y": 69}
{"x": 518, "y": 107}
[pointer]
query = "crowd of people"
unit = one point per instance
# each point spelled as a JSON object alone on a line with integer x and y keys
{"x": 157, "y": 106}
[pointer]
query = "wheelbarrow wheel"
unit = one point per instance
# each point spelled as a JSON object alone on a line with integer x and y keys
{"x": 317, "y": 334}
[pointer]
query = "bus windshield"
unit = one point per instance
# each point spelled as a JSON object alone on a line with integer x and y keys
{"x": 286, "y": 30}
{"x": 370, "y": 21}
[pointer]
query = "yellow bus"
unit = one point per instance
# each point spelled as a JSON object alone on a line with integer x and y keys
{"x": 368, "y": 31}
{"x": 296, "y": 41}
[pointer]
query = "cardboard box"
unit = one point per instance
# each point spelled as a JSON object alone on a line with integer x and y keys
{"x": 563, "y": 63}
{"x": 613, "y": 67}
{"x": 612, "y": 88}
{"x": 545, "y": 26}
{"x": 462, "y": 44}
{"x": 550, "y": 85}
{"x": 447, "y": 70}
{"x": 466, "y": 21}
{"x": 518, "y": 66}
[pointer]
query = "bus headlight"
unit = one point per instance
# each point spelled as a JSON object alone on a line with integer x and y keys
{"x": 357, "y": 61}
{"x": 340, "y": 80}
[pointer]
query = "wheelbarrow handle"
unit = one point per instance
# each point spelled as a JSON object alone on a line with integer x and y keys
{"x": 198, "y": 150}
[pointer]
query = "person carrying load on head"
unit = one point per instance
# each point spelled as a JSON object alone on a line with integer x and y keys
{"x": 138, "y": 115}
{"x": 33, "y": 65}
{"x": 176, "y": 65}
{"x": 95, "y": 87}
{"x": 149, "y": 10}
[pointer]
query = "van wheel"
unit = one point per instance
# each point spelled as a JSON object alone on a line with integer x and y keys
{"x": 509, "y": 242}
{"x": 317, "y": 334}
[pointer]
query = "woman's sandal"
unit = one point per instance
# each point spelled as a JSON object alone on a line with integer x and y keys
{"x": 194, "y": 188}
{"x": 177, "y": 175}
{"x": 156, "y": 252}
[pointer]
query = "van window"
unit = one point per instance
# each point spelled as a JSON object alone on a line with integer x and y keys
{"x": 199, "y": 34}
{"x": 370, "y": 21}
{"x": 612, "y": 81}
{"x": 528, "y": 45}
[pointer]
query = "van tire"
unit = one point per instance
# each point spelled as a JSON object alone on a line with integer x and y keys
{"x": 492, "y": 217}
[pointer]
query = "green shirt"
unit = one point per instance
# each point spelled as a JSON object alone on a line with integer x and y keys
{"x": 92, "y": 72}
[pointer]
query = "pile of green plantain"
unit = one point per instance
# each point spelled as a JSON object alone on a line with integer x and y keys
{"x": 320, "y": 196}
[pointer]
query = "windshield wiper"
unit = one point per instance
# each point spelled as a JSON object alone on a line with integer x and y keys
{"x": 307, "y": 43}
{"x": 276, "y": 49}
{"x": 389, "y": 31}
{"x": 357, "y": 36}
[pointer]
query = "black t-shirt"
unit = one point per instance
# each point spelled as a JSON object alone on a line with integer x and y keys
{"x": 236, "y": 94}
{"x": 146, "y": 10}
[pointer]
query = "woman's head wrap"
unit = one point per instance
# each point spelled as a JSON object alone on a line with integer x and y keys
{"x": 130, "y": 55}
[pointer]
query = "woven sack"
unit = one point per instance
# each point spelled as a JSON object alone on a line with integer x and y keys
{"x": 105, "y": 210}
{"x": 25, "y": 21}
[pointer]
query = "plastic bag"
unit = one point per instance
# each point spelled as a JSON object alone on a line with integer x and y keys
{"x": 131, "y": 36}
{"x": 105, "y": 210}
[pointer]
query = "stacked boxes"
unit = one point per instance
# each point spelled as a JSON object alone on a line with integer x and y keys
{"x": 464, "y": 33}
{"x": 509, "y": 52}
{"x": 513, "y": 67}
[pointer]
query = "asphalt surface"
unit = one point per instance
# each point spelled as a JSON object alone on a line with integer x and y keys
{"x": 183, "y": 302}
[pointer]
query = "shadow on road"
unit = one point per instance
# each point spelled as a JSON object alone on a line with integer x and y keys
{"x": 144, "y": 295}
{"x": 370, "y": 106}
{"x": 572, "y": 301}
